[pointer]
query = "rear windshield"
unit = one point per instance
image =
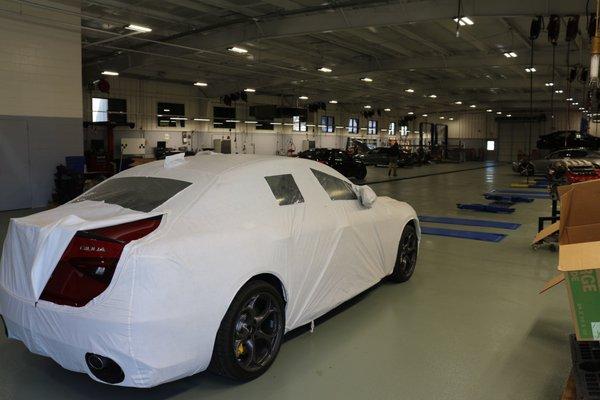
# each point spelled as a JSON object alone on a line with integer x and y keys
{"x": 136, "y": 193}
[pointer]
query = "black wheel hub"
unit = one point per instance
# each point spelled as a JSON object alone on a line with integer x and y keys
{"x": 408, "y": 252}
{"x": 258, "y": 332}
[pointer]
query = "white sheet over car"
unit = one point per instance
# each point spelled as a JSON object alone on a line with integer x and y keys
{"x": 159, "y": 316}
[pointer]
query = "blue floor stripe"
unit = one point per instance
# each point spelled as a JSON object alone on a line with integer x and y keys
{"x": 539, "y": 195}
{"x": 483, "y": 236}
{"x": 469, "y": 222}
{"x": 521, "y": 191}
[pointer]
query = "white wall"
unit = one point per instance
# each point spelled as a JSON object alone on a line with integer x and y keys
{"x": 40, "y": 62}
{"x": 40, "y": 100}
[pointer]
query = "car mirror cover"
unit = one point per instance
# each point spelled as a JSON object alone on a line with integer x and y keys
{"x": 366, "y": 195}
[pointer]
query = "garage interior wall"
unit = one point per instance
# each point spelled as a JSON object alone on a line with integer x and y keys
{"x": 40, "y": 106}
{"x": 142, "y": 96}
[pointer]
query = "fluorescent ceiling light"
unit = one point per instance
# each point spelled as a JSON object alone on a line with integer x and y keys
{"x": 251, "y": 122}
{"x": 409, "y": 90}
{"x": 166, "y": 110}
{"x": 509, "y": 115}
{"x": 570, "y": 99}
{"x": 275, "y": 123}
{"x": 549, "y": 84}
{"x": 232, "y": 120}
{"x": 325, "y": 69}
{"x": 458, "y": 103}
{"x": 510, "y": 54}
{"x": 110, "y": 73}
{"x": 489, "y": 110}
{"x": 249, "y": 90}
{"x": 425, "y": 115}
{"x": 575, "y": 104}
{"x": 498, "y": 112}
{"x": 202, "y": 119}
{"x": 442, "y": 117}
{"x": 530, "y": 69}
{"x": 303, "y": 97}
{"x": 451, "y": 118}
{"x": 559, "y": 91}
{"x": 464, "y": 21}
{"x": 178, "y": 118}
{"x": 339, "y": 127}
{"x": 581, "y": 108}
{"x": 387, "y": 109}
{"x": 367, "y": 107}
{"x": 310, "y": 125}
{"x": 138, "y": 28}
{"x": 203, "y": 84}
{"x": 366, "y": 79}
{"x": 433, "y": 96}
{"x": 332, "y": 101}
{"x": 411, "y": 113}
{"x": 238, "y": 50}
{"x": 473, "y": 106}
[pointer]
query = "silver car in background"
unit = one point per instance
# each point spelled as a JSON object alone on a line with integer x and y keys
{"x": 540, "y": 166}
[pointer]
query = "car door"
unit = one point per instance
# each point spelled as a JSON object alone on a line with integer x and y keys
{"x": 355, "y": 260}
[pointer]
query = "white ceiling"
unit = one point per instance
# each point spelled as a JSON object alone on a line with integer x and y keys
{"x": 399, "y": 44}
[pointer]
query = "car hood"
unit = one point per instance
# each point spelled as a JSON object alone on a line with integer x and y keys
{"x": 34, "y": 244}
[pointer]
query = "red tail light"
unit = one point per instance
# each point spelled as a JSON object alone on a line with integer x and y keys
{"x": 88, "y": 264}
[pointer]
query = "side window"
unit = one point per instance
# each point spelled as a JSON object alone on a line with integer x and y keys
{"x": 337, "y": 189}
{"x": 284, "y": 189}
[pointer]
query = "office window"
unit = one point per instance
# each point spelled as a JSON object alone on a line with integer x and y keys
{"x": 169, "y": 114}
{"x": 353, "y": 125}
{"x": 372, "y": 127}
{"x": 392, "y": 128}
{"x": 284, "y": 189}
{"x": 224, "y": 117}
{"x": 298, "y": 123}
{"x": 327, "y": 124}
{"x": 99, "y": 110}
{"x": 491, "y": 145}
{"x": 404, "y": 130}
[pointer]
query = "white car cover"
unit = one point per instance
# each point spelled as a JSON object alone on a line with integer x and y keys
{"x": 159, "y": 316}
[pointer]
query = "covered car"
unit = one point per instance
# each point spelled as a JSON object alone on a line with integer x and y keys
{"x": 204, "y": 262}
{"x": 540, "y": 166}
{"x": 380, "y": 156}
{"x": 567, "y": 139}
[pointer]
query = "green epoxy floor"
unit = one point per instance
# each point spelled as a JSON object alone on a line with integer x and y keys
{"x": 469, "y": 325}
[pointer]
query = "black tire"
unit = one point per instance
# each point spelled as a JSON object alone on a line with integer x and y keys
{"x": 361, "y": 173}
{"x": 406, "y": 259}
{"x": 245, "y": 348}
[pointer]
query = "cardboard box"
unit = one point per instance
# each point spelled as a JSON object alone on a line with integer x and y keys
{"x": 579, "y": 255}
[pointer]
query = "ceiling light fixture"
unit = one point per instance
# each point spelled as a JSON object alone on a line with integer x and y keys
{"x": 425, "y": 115}
{"x": 367, "y": 107}
{"x": 110, "y": 73}
{"x": 251, "y": 122}
{"x": 458, "y": 103}
{"x": 138, "y": 28}
{"x": 498, "y": 112}
{"x": 473, "y": 106}
{"x": 238, "y": 50}
{"x": 489, "y": 110}
{"x": 202, "y": 119}
{"x": 325, "y": 69}
{"x": 510, "y": 54}
{"x": 442, "y": 117}
{"x": 432, "y": 96}
{"x": 549, "y": 84}
{"x": 508, "y": 115}
{"x": 464, "y": 21}
{"x": 559, "y": 91}
{"x": 387, "y": 109}
{"x": 249, "y": 90}
{"x": 303, "y": 97}
{"x": 332, "y": 101}
{"x": 530, "y": 70}
{"x": 409, "y": 90}
{"x": 366, "y": 79}
{"x": 203, "y": 84}
{"x": 451, "y": 119}
{"x": 411, "y": 113}
{"x": 569, "y": 99}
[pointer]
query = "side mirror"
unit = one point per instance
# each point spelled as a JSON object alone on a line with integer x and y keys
{"x": 366, "y": 195}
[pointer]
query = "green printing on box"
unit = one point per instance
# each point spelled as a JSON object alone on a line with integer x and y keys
{"x": 584, "y": 293}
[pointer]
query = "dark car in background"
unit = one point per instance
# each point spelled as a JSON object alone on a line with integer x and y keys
{"x": 380, "y": 156}
{"x": 338, "y": 160}
{"x": 564, "y": 139}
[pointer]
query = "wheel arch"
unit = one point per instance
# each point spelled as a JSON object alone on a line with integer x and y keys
{"x": 272, "y": 280}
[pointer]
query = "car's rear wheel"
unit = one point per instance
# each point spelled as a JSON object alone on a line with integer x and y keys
{"x": 250, "y": 334}
{"x": 406, "y": 260}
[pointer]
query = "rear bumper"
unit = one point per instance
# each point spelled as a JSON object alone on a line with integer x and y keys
{"x": 66, "y": 335}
